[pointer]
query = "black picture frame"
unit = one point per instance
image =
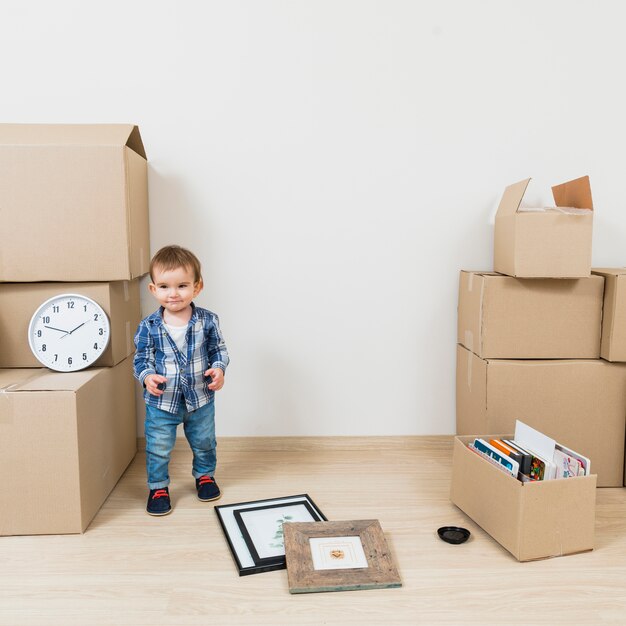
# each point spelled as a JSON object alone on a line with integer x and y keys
{"x": 244, "y": 561}
{"x": 238, "y": 513}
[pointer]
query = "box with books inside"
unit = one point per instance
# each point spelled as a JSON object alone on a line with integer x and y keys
{"x": 535, "y": 496}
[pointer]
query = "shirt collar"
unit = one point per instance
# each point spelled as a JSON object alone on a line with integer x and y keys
{"x": 157, "y": 316}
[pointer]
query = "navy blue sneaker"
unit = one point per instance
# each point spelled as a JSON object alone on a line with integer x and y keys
{"x": 159, "y": 502}
{"x": 207, "y": 489}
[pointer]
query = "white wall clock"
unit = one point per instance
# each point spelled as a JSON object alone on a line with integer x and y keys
{"x": 69, "y": 332}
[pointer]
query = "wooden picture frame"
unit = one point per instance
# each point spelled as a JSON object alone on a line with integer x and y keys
{"x": 240, "y": 539}
{"x": 303, "y": 576}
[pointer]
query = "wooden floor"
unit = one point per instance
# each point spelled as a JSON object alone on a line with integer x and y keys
{"x": 132, "y": 569}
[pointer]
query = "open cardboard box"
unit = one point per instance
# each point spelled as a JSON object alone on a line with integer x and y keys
{"x": 74, "y": 203}
{"x": 532, "y": 521}
{"x": 545, "y": 243}
{"x": 502, "y": 317}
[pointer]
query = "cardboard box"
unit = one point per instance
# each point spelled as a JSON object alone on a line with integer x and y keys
{"x": 545, "y": 243}
{"x": 531, "y": 520}
{"x": 504, "y": 317}
{"x": 18, "y": 301}
{"x": 74, "y": 203}
{"x": 613, "y": 346}
{"x": 579, "y": 402}
{"x": 65, "y": 440}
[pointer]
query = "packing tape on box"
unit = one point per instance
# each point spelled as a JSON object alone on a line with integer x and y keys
{"x": 129, "y": 339}
{"x": 126, "y": 292}
{"x": 470, "y": 281}
{"x": 6, "y": 404}
{"x": 480, "y": 315}
{"x": 470, "y": 361}
{"x": 6, "y": 396}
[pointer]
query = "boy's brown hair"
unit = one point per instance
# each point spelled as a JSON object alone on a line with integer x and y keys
{"x": 173, "y": 257}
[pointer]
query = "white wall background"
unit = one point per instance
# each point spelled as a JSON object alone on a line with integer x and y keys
{"x": 334, "y": 164}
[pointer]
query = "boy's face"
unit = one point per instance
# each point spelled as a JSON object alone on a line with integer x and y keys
{"x": 174, "y": 289}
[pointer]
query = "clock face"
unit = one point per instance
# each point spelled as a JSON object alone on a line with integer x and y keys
{"x": 69, "y": 332}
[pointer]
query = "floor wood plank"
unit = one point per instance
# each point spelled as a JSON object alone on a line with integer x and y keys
{"x": 132, "y": 569}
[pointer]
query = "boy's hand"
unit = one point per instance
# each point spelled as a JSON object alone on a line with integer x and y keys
{"x": 152, "y": 381}
{"x": 217, "y": 378}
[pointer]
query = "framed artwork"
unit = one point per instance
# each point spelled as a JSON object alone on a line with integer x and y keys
{"x": 338, "y": 556}
{"x": 254, "y": 530}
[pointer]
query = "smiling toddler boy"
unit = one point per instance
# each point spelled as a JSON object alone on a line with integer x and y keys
{"x": 180, "y": 360}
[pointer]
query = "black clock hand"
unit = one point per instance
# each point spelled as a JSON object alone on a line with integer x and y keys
{"x": 53, "y": 328}
{"x": 69, "y": 332}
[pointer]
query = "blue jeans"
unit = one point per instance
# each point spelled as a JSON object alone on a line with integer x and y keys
{"x": 160, "y": 429}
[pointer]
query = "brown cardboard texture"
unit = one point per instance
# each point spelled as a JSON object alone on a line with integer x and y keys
{"x": 65, "y": 440}
{"x": 613, "y": 346}
{"x": 18, "y": 301}
{"x": 504, "y": 317}
{"x": 545, "y": 243}
{"x": 73, "y": 203}
{"x": 532, "y": 521}
{"x": 581, "y": 403}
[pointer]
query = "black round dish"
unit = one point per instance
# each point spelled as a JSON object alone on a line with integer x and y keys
{"x": 453, "y": 534}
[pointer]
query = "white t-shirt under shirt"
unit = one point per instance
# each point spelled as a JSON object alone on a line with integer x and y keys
{"x": 177, "y": 333}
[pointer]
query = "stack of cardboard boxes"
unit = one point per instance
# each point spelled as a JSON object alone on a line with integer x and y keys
{"x": 540, "y": 340}
{"x": 74, "y": 210}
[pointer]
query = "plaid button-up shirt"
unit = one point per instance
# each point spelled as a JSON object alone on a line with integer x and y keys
{"x": 157, "y": 353}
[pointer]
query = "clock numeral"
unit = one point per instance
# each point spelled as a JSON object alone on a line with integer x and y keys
{"x": 46, "y": 319}
{"x": 85, "y": 308}
{"x": 56, "y": 357}
{"x": 95, "y": 346}
{"x": 43, "y": 347}
{"x": 101, "y": 331}
{"x": 84, "y": 356}
{"x": 69, "y": 360}
{"x": 38, "y": 333}
{"x": 55, "y": 308}
{"x": 95, "y": 317}
{"x": 70, "y": 304}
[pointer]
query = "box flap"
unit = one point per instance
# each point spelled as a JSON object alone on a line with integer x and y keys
{"x": 512, "y": 197}
{"x": 43, "y": 379}
{"x": 72, "y": 135}
{"x": 609, "y": 271}
{"x": 135, "y": 143}
{"x": 574, "y": 193}
{"x": 485, "y": 273}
